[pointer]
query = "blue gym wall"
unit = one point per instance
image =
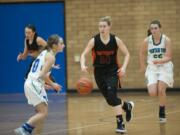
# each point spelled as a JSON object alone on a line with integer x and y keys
{"x": 48, "y": 17}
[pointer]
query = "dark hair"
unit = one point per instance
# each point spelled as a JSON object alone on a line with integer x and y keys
{"x": 156, "y": 22}
{"x": 148, "y": 32}
{"x": 32, "y": 27}
{"x": 52, "y": 40}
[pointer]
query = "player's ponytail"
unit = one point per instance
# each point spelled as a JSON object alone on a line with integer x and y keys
{"x": 52, "y": 40}
{"x": 148, "y": 32}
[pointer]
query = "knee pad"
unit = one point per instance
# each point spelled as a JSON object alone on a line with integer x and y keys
{"x": 112, "y": 98}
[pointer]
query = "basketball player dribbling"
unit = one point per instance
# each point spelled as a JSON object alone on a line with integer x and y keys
{"x": 104, "y": 47}
{"x": 159, "y": 71}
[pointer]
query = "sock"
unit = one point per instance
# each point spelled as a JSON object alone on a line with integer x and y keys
{"x": 28, "y": 127}
{"x": 119, "y": 118}
{"x": 162, "y": 111}
{"x": 161, "y": 108}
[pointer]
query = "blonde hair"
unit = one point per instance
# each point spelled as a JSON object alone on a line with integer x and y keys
{"x": 53, "y": 40}
{"x": 106, "y": 19}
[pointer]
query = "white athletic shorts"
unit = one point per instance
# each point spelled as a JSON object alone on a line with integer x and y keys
{"x": 35, "y": 92}
{"x": 161, "y": 72}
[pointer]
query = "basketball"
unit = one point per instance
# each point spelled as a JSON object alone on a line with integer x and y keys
{"x": 84, "y": 86}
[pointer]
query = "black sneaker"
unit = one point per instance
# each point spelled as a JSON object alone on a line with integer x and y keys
{"x": 162, "y": 117}
{"x": 121, "y": 128}
{"x": 129, "y": 115}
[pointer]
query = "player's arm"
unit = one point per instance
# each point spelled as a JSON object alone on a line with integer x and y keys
{"x": 126, "y": 54}
{"x": 88, "y": 48}
{"x": 41, "y": 42}
{"x": 142, "y": 55}
{"x": 49, "y": 61}
{"x": 49, "y": 82}
{"x": 22, "y": 56}
{"x": 168, "y": 54}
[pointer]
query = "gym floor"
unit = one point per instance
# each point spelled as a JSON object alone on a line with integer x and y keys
{"x": 73, "y": 114}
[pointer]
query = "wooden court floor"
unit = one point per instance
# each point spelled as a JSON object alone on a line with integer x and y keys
{"x": 90, "y": 115}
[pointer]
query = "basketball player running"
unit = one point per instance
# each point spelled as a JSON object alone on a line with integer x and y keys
{"x": 104, "y": 48}
{"x": 33, "y": 44}
{"x": 34, "y": 84}
{"x": 159, "y": 71}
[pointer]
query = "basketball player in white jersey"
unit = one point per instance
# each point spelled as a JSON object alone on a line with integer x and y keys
{"x": 159, "y": 71}
{"x": 34, "y": 84}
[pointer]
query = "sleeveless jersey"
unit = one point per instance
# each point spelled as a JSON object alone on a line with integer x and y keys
{"x": 33, "y": 46}
{"x": 37, "y": 65}
{"x": 104, "y": 55}
{"x": 156, "y": 51}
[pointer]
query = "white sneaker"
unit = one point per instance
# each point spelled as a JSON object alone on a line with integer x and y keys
{"x": 21, "y": 131}
{"x": 162, "y": 120}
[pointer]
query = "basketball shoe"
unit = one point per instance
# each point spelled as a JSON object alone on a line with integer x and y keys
{"x": 120, "y": 125}
{"x": 21, "y": 131}
{"x": 162, "y": 114}
{"x": 128, "y": 108}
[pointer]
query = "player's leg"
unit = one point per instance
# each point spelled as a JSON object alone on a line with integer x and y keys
{"x": 119, "y": 105}
{"x": 153, "y": 90}
{"x": 39, "y": 128}
{"x": 37, "y": 97}
{"x": 41, "y": 114}
{"x": 165, "y": 80}
{"x": 152, "y": 80}
{"x": 110, "y": 96}
{"x": 162, "y": 100}
{"x": 28, "y": 127}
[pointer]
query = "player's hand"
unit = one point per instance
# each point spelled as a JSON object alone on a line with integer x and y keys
{"x": 56, "y": 66}
{"x": 48, "y": 87}
{"x": 156, "y": 62}
{"x": 84, "y": 68}
{"x": 56, "y": 87}
{"x": 19, "y": 57}
{"x": 121, "y": 72}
